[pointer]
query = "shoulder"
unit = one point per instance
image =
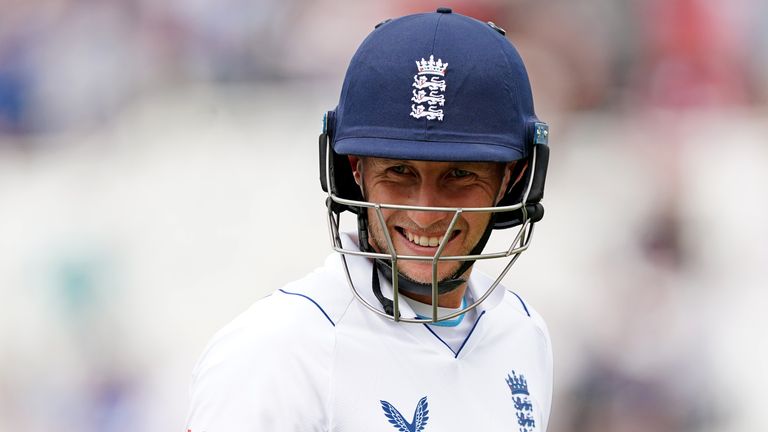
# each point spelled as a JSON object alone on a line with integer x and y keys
{"x": 513, "y": 312}
{"x": 509, "y": 306}
{"x": 527, "y": 315}
{"x": 293, "y": 320}
{"x": 270, "y": 359}
{"x": 270, "y": 327}
{"x": 524, "y": 310}
{"x": 325, "y": 291}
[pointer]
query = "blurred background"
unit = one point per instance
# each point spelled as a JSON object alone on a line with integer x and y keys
{"x": 158, "y": 174}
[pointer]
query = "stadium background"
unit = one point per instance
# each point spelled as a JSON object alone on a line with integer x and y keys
{"x": 158, "y": 174}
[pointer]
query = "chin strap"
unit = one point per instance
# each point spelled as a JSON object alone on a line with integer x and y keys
{"x": 386, "y": 303}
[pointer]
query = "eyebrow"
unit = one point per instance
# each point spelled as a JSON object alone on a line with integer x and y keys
{"x": 380, "y": 160}
{"x": 466, "y": 165}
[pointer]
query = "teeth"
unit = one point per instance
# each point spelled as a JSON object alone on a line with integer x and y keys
{"x": 423, "y": 240}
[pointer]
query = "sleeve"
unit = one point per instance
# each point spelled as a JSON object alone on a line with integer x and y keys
{"x": 267, "y": 371}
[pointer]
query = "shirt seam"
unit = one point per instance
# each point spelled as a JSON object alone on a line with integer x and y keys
{"x": 313, "y": 302}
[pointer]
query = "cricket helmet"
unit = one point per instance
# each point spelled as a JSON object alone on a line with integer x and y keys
{"x": 435, "y": 87}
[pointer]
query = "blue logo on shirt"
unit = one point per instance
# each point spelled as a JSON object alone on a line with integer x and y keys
{"x": 420, "y": 416}
{"x": 518, "y": 385}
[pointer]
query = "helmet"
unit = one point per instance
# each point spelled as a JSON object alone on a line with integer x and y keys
{"x": 434, "y": 87}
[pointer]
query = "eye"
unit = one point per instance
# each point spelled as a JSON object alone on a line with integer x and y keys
{"x": 399, "y": 169}
{"x": 460, "y": 173}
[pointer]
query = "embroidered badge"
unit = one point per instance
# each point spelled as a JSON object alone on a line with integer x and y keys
{"x": 518, "y": 385}
{"x": 430, "y": 87}
{"x": 417, "y": 424}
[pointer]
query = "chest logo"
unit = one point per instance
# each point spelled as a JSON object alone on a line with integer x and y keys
{"x": 417, "y": 424}
{"x": 429, "y": 91}
{"x": 521, "y": 397}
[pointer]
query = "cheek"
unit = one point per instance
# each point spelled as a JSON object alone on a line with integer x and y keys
{"x": 477, "y": 222}
{"x": 387, "y": 193}
{"x": 473, "y": 196}
{"x": 374, "y": 222}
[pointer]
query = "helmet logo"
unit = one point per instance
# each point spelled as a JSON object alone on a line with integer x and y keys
{"x": 429, "y": 90}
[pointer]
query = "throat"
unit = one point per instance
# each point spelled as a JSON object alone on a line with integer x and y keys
{"x": 450, "y": 300}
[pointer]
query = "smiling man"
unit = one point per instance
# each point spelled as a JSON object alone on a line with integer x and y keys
{"x": 416, "y": 232}
{"x": 434, "y": 145}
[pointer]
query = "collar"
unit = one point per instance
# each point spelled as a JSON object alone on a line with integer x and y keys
{"x": 424, "y": 310}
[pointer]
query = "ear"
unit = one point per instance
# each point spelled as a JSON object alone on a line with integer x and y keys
{"x": 520, "y": 173}
{"x": 355, "y": 163}
{"x": 508, "y": 170}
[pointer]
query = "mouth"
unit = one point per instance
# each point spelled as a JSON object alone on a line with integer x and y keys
{"x": 431, "y": 240}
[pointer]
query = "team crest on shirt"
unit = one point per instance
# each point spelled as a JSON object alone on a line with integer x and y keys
{"x": 429, "y": 92}
{"x": 518, "y": 385}
{"x": 418, "y": 422}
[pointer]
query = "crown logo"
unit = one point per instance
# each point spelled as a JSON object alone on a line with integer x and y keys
{"x": 431, "y": 67}
{"x": 518, "y": 385}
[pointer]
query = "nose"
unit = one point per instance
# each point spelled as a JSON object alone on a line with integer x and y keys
{"x": 428, "y": 195}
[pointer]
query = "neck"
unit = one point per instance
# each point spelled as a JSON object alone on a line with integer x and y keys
{"x": 447, "y": 300}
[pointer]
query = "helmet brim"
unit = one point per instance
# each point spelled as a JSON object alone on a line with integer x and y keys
{"x": 438, "y": 151}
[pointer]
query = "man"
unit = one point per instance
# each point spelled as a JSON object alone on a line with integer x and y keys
{"x": 434, "y": 144}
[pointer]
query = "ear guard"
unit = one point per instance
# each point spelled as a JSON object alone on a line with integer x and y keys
{"x": 535, "y": 167}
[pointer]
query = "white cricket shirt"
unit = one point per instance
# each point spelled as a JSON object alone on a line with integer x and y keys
{"x": 310, "y": 357}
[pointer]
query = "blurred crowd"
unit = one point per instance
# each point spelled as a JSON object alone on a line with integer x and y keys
{"x": 625, "y": 81}
{"x": 67, "y": 63}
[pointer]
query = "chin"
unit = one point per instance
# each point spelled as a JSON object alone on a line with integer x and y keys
{"x": 422, "y": 273}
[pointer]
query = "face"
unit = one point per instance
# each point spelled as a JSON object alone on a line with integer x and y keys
{"x": 429, "y": 184}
